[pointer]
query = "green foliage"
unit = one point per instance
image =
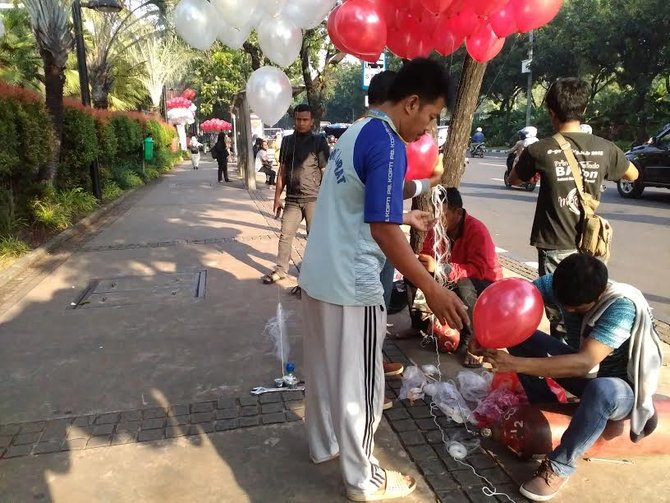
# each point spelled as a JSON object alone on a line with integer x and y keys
{"x": 128, "y": 137}
{"x": 12, "y": 247}
{"x": 107, "y": 142}
{"x": 19, "y": 60}
{"x": 111, "y": 191}
{"x": 76, "y": 201}
{"x": 151, "y": 174}
{"x": 51, "y": 215}
{"x": 126, "y": 177}
{"x": 57, "y": 210}
{"x": 79, "y": 148}
{"x": 346, "y": 100}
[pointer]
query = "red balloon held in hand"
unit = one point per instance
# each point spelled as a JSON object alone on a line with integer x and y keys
{"x": 503, "y": 21}
{"x": 484, "y": 45}
{"x": 507, "y": 313}
{"x": 361, "y": 28}
{"x": 421, "y": 157}
{"x": 531, "y": 14}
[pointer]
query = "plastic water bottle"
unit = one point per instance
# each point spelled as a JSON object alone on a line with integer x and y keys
{"x": 290, "y": 380}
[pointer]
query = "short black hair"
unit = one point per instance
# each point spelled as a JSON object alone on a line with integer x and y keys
{"x": 567, "y": 98}
{"x": 426, "y": 78}
{"x": 451, "y": 196}
{"x": 379, "y": 87}
{"x": 579, "y": 279}
{"x": 303, "y": 107}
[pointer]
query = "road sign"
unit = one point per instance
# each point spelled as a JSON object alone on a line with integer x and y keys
{"x": 372, "y": 69}
{"x": 525, "y": 65}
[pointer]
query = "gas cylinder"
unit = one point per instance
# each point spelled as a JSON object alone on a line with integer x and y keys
{"x": 529, "y": 430}
{"x": 447, "y": 338}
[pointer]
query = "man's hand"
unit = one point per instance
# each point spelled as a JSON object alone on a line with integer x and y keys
{"x": 438, "y": 171}
{"x": 447, "y": 307}
{"x": 420, "y": 220}
{"x": 277, "y": 207}
{"x": 428, "y": 262}
{"x": 502, "y": 361}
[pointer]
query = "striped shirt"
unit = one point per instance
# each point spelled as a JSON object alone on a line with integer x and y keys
{"x": 613, "y": 329}
{"x": 363, "y": 184}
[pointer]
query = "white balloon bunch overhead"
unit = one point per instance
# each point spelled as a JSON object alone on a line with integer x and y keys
{"x": 279, "y": 24}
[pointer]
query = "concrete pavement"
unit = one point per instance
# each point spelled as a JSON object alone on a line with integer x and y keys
{"x": 125, "y": 370}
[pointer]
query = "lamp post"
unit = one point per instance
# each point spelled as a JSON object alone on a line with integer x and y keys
{"x": 100, "y": 6}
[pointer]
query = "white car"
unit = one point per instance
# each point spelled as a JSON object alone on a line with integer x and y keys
{"x": 442, "y": 133}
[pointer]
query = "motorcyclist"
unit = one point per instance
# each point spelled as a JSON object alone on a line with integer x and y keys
{"x": 478, "y": 137}
{"x": 527, "y": 136}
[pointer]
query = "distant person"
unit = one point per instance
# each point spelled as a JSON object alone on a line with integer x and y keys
{"x": 263, "y": 159}
{"x": 527, "y": 137}
{"x": 220, "y": 153}
{"x": 558, "y": 215}
{"x": 478, "y": 137}
{"x": 194, "y": 147}
{"x": 303, "y": 157}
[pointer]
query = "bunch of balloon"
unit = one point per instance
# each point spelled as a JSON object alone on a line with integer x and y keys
{"x": 412, "y": 28}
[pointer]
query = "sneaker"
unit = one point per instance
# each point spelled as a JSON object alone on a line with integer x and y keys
{"x": 393, "y": 369}
{"x": 388, "y": 404}
{"x": 544, "y": 485}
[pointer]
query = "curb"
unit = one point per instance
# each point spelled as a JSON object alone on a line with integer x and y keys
{"x": 81, "y": 227}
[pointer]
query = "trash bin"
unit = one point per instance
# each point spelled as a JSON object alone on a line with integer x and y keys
{"x": 148, "y": 148}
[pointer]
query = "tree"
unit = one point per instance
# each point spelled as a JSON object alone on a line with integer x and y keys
{"x": 19, "y": 60}
{"x": 49, "y": 22}
{"x": 345, "y": 98}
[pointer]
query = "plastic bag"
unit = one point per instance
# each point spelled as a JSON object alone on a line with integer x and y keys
{"x": 413, "y": 381}
{"x": 474, "y": 386}
{"x": 491, "y": 409}
{"x": 450, "y": 401}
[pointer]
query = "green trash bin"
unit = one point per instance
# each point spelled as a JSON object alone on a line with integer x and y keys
{"x": 148, "y": 148}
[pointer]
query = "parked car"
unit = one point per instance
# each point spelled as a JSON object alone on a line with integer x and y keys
{"x": 653, "y": 162}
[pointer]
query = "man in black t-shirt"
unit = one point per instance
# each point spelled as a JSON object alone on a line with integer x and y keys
{"x": 558, "y": 215}
{"x": 302, "y": 158}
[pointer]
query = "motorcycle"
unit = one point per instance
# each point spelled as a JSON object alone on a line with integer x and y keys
{"x": 529, "y": 185}
{"x": 478, "y": 150}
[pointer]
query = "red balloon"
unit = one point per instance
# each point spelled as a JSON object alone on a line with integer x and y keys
{"x": 484, "y": 45}
{"x": 398, "y": 42}
{"x": 421, "y": 157}
{"x": 436, "y": 6}
{"x": 445, "y": 40}
{"x": 507, "y": 313}
{"x": 464, "y": 23}
{"x": 503, "y": 21}
{"x": 332, "y": 33}
{"x": 387, "y": 8}
{"x": 531, "y": 14}
{"x": 361, "y": 28}
{"x": 455, "y": 7}
{"x": 485, "y": 7}
{"x": 447, "y": 338}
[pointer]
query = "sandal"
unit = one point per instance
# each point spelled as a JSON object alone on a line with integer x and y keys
{"x": 297, "y": 291}
{"x": 397, "y": 486}
{"x": 271, "y": 278}
{"x": 471, "y": 361}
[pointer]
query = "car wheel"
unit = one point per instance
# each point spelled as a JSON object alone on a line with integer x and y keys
{"x": 530, "y": 187}
{"x": 630, "y": 190}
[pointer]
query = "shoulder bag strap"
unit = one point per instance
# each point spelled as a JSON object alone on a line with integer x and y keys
{"x": 588, "y": 203}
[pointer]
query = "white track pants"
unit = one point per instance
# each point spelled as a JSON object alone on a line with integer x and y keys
{"x": 344, "y": 396}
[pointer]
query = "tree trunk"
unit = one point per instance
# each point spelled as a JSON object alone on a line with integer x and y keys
{"x": 312, "y": 86}
{"x": 461, "y": 121}
{"x": 101, "y": 84}
{"x": 54, "y": 80}
{"x": 255, "y": 54}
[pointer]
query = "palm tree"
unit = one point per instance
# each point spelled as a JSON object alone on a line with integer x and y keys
{"x": 20, "y": 63}
{"x": 49, "y": 20}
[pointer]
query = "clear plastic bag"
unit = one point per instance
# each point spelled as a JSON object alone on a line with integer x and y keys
{"x": 491, "y": 409}
{"x": 474, "y": 386}
{"x": 413, "y": 381}
{"x": 450, "y": 401}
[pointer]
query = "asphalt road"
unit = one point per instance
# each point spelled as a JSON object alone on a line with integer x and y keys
{"x": 641, "y": 248}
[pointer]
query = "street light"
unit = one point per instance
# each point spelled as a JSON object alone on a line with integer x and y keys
{"x": 100, "y": 6}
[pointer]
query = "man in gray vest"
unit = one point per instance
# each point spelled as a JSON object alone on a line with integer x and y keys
{"x": 302, "y": 158}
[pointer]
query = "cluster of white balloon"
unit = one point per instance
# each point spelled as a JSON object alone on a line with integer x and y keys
{"x": 278, "y": 24}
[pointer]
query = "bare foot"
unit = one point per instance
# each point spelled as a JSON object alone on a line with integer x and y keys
{"x": 472, "y": 361}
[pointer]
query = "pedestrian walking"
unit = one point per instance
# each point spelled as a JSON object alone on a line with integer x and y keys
{"x": 356, "y": 224}
{"x": 302, "y": 159}
{"x": 194, "y": 147}
{"x": 220, "y": 153}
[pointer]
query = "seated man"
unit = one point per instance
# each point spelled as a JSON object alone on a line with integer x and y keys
{"x": 473, "y": 263}
{"x": 605, "y": 323}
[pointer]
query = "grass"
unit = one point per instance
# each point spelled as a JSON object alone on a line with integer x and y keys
{"x": 11, "y": 248}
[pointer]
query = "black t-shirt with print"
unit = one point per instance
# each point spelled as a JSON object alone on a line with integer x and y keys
{"x": 558, "y": 213}
{"x": 303, "y": 157}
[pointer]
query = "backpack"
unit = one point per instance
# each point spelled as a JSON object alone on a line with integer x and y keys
{"x": 596, "y": 232}
{"x": 214, "y": 151}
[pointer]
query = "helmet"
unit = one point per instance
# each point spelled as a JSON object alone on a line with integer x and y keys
{"x": 530, "y": 131}
{"x": 586, "y": 128}
{"x": 479, "y": 130}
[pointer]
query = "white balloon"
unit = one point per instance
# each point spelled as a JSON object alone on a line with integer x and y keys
{"x": 231, "y": 36}
{"x": 279, "y": 39}
{"x": 237, "y": 13}
{"x": 194, "y": 21}
{"x": 2, "y": 28}
{"x": 269, "y": 93}
{"x": 274, "y": 7}
{"x": 308, "y": 14}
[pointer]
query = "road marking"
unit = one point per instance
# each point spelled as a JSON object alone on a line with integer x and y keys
{"x": 534, "y": 265}
{"x": 498, "y": 180}
{"x": 500, "y": 250}
{"x": 491, "y": 164}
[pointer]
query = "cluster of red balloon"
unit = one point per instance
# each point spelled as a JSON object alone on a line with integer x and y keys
{"x": 189, "y": 94}
{"x": 413, "y": 28}
{"x": 178, "y": 102}
{"x": 214, "y": 125}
